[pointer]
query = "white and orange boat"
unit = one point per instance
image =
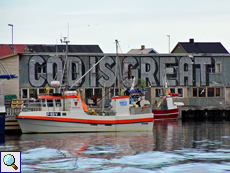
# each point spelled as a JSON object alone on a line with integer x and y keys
{"x": 68, "y": 113}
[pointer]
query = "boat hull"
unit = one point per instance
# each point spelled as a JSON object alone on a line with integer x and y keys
{"x": 87, "y": 123}
{"x": 166, "y": 114}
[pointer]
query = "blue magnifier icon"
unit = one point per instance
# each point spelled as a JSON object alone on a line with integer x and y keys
{"x": 9, "y": 160}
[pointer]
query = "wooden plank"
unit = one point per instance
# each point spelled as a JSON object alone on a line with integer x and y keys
{"x": 11, "y": 123}
{"x": 12, "y": 128}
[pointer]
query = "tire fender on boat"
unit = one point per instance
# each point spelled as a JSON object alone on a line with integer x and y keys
{"x": 206, "y": 113}
{"x": 224, "y": 113}
{"x": 190, "y": 113}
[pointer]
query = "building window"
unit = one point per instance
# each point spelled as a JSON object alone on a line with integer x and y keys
{"x": 217, "y": 92}
{"x": 201, "y": 92}
{"x": 194, "y": 92}
{"x": 210, "y": 92}
{"x": 158, "y": 92}
{"x": 180, "y": 92}
{"x": 172, "y": 90}
{"x": 33, "y": 93}
{"x": 218, "y": 69}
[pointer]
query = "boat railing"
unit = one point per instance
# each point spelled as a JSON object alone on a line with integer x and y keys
{"x": 26, "y": 109}
{"x": 32, "y": 103}
{"x": 12, "y": 111}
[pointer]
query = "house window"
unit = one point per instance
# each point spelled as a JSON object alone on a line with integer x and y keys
{"x": 194, "y": 92}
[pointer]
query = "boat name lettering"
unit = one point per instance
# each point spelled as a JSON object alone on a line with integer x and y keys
{"x": 53, "y": 114}
{"x": 123, "y": 103}
{"x": 76, "y": 107}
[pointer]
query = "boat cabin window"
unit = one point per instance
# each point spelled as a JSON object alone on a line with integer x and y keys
{"x": 50, "y": 103}
{"x": 33, "y": 93}
{"x": 98, "y": 92}
{"x": 93, "y": 95}
{"x": 43, "y": 103}
{"x": 88, "y": 93}
{"x": 24, "y": 93}
{"x": 58, "y": 102}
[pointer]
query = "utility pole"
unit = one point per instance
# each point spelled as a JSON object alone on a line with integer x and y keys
{"x": 169, "y": 42}
{"x": 12, "y": 26}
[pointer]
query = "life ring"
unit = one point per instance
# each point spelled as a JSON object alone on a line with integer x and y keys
{"x": 224, "y": 114}
{"x": 206, "y": 113}
{"x": 190, "y": 113}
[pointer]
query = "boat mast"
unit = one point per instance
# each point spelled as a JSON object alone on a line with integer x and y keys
{"x": 64, "y": 69}
{"x": 117, "y": 69}
{"x": 87, "y": 72}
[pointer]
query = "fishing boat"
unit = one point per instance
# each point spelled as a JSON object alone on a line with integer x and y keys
{"x": 167, "y": 109}
{"x": 68, "y": 113}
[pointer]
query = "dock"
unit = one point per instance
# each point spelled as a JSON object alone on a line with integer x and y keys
{"x": 11, "y": 123}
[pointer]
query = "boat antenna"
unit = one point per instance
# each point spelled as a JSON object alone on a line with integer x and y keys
{"x": 64, "y": 69}
{"x": 114, "y": 91}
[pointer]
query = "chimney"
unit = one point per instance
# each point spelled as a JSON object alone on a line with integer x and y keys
{"x": 142, "y": 47}
{"x": 191, "y": 40}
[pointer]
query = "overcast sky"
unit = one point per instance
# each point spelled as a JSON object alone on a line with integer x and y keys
{"x": 132, "y": 22}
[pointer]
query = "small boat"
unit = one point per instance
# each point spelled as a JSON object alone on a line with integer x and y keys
{"x": 68, "y": 113}
{"x": 167, "y": 109}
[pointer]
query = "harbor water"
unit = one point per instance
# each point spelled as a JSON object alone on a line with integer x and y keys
{"x": 172, "y": 146}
